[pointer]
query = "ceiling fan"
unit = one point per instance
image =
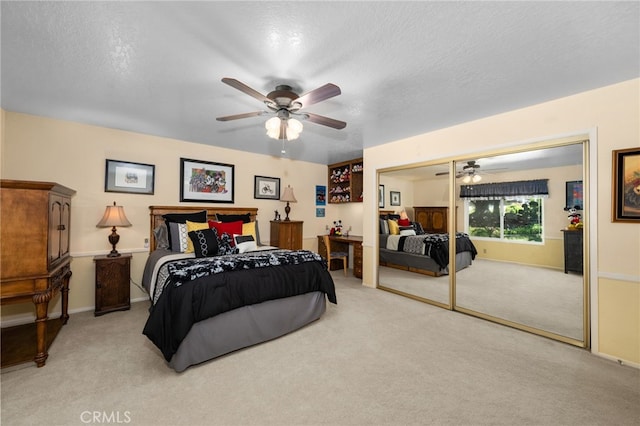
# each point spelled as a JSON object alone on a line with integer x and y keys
{"x": 286, "y": 106}
{"x": 469, "y": 169}
{"x": 470, "y": 172}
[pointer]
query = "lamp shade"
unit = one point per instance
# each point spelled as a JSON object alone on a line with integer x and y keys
{"x": 289, "y": 198}
{"x": 288, "y": 195}
{"x": 113, "y": 216}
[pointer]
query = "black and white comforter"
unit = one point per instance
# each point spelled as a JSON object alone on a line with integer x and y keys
{"x": 436, "y": 246}
{"x": 197, "y": 289}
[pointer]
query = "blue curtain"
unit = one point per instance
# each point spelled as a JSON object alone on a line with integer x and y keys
{"x": 498, "y": 190}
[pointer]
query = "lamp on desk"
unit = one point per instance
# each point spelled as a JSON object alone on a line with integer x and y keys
{"x": 113, "y": 216}
{"x": 289, "y": 198}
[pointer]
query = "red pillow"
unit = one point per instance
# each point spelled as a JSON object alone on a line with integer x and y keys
{"x": 230, "y": 228}
{"x": 404, "y": 222}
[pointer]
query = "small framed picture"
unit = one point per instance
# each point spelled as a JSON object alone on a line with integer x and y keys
{"x": 395, "y": 198}
{"x": 321, "y": 195}
{"x": 319, "y": 211}
{"x": 573, "y": 194}
{"x": 381, "y": 196}
{"x": 267, "y": 188}
{"x": 626, "y": 185}
{"x": 125, "y": 176}
{"x": 205, "y": 181}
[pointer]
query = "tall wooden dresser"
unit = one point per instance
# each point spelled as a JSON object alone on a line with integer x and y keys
{"x": 35, "y": 220}
{"x": 434, "y": 220}
{"x": 573, "y": 253}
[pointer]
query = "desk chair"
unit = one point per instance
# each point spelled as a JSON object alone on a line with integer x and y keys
{"x": 335, "y": 255}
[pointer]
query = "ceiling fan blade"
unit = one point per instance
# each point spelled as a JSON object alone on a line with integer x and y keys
{"x": 327, "y": 91}
{"x": 325, "y": 121}
{"x": 239, "y": 116}
{"x": 442, "y": 173}
{"x": 246, "y": 89}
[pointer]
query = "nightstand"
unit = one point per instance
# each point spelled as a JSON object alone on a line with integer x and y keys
{"x": 286, "y": 234}
{"x": 112, "y": 283}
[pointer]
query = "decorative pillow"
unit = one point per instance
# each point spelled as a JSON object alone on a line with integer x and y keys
{"x": 394, "y": 228}
{"x": 225, "y": 218}
{"x": 245, "y": 243}
{"x": 384, "y": 226}
{"x": 418, "y": 227}
{"x": 230, "y": 228}
{"x": 257, "y": 228}
{"x": 407, "y": 230}
{"x": 404, "y": 222}
{"x": 225, "y": 244}
{"x": 393, "y": 216}
{"x": 179, "y": 237}
{"x": 205, "y": 242}
{"x": 182, "y": 218}
{"x": 249, "y": 229}
{"x": 194, "y": 226}
{"x": 162, "y": 236}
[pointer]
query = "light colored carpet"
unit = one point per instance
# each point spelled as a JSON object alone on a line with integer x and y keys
{"x": 544, "y": 298}
{"x": 376, "y": 358}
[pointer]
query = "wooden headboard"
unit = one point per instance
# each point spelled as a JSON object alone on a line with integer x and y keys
{"x": 156, "y": 212}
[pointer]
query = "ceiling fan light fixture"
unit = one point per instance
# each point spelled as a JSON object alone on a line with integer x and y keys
{"x": 466, "y": 179}
{"x": 272, "y": 124}
{"x": 294, "y": 125}
{"x": 476, "y": 178}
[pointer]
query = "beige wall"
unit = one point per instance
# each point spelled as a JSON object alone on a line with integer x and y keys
{"x": 72, "y": 154}
{"x": 611, "y": 117}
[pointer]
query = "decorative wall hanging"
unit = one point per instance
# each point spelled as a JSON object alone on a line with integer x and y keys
{"x": 124, "y": 176}
{"x": 205, "y": 181}
{"x": 626, "y": 185}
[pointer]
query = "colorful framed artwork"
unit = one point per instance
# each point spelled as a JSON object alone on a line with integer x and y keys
{"x": 206, "y": 181}
{"x": 626, "y": 185}
{"x": 125, "y": 176}
{"x": 394, "y": 197}
{"x": 574, "y": 195}
{"x": 319, "y": 211}
{"x": 321, "y": 195}
{"x": 267, "y": 188}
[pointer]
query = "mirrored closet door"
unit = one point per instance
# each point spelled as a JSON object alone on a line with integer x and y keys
{"x": 529, "y": 270}
{"x": 422, "y": 193}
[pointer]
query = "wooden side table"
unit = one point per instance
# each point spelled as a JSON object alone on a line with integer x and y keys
{"x": 286, "y": 234}
{"x": 112, "y": 283}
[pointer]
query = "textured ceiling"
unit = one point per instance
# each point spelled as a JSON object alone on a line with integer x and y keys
{"x": 404, "y": 68}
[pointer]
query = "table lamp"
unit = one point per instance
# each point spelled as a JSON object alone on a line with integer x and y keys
{"x": 113, "y": 216}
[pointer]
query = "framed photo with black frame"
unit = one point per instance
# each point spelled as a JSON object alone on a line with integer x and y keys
{"x": 626, "y": 185}
{"x": 574, "y": 195}
{"x": 394, "y": 197}
{"x": 267, "y": 188}
{"x": 128, "y": 177}
{"x": 381, "y": 196}
{"x": 206, "y": 181}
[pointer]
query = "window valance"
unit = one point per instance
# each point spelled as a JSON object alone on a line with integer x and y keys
{"x": 499, "y": 190}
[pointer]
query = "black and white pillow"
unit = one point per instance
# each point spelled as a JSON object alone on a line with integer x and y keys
{"x": 245, "y": 243}
{"x": 205, "y": 242}
{"x": 225, "y": 245}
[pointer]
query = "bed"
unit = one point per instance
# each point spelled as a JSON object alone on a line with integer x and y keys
{"x": 204, "y": 306}
{"x": 406, "y": 246}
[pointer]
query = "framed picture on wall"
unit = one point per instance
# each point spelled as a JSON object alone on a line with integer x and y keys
{"x": 205, "y": 181}
{"x": 125, "y": 176}
{"x": 394, "y": 196}
{"x": 267, "y": 188}
{"x": 381, "y": 196}
{"x": 573, "y": 195}
{"x": 321, "y": 195}
{"x": 626, "y": 185}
